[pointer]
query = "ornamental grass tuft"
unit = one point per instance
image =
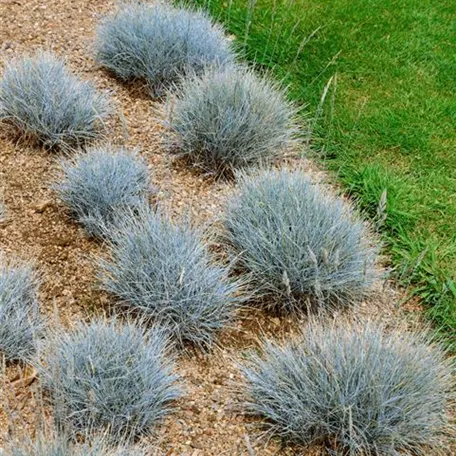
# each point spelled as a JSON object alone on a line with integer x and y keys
{"x": 159, "y": 44}
{"x": 355, "y": 388}
{"x": 164, "y": 271}
{"x": 297, "y": 242}
{"x": 100, "y": 185}
{"x": 229, "y": 119}
{"x": 20, "y": 322}
{"x": 44, "y": 103}
{"x": 109, "y": 376}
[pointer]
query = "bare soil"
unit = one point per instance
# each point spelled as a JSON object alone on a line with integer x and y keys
{"x": 208, "y": 421}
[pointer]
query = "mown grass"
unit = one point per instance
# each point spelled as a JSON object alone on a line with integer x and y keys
{"x": 379, "y": 78}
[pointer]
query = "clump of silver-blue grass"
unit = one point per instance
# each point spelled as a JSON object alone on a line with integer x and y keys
{"x": 20, "y": 322}
{"x": 56, "y": 445}
{"x": 165, "y": 271}
{"x": 158, "y": 43}
{"x": 109, "y": 376}
{"x": 297, "y": 241}
{"x": 231, "y": 118}
{"x": 43, "y": 102}
{"x": 358, "y": 388}
{"x": 100, "y": 185}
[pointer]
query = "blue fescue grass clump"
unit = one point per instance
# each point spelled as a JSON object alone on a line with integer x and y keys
{"x": 297, "y": 242}
{"x": 45, "y": 445}
{"x": 98, "y": 186}
{"x": 165, "y": 272}
{"x": 45, "y": 103}
{"x": 108, "y": 376}
{"x": 158, "y": 44}
{"x": 20, "y": 322}
{"x": 231, "y": 118}
{"x": 364, "y": 391}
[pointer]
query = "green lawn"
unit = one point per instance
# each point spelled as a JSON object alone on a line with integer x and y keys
{"x": 386, "y": 119}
